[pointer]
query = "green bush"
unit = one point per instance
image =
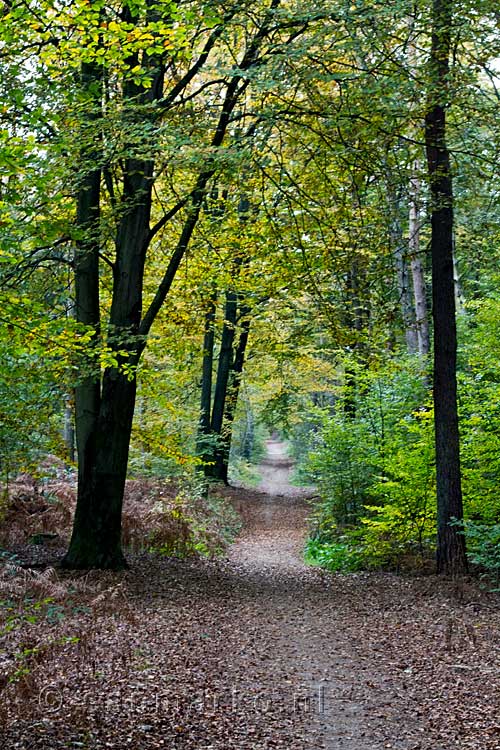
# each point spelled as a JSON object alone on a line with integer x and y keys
{"x": 374, "y": 470}
{"x": 342, "y": 468}
{"x": 483, "y": 546}
{"x": 339, "y": 556}
{"x": 374, "y": 463}
{"x": 402, "y": 517}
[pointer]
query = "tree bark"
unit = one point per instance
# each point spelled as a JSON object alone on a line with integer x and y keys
{"x": 87, "y": 307}
{"x": 451, "y": 554}
{"x": 204, "y": 427}
{"x": 224, "y": 449}
{"x": 213, "y": 468}
{"x": 417, "y": 267}
{"x": 96, "y": 539}
{"x": 402, "y": 272}
{"x": 104, "y": 414}
{"x": 230, "y": 368}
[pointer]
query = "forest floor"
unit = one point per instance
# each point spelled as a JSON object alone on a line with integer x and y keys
{"x": 259, "y": 651}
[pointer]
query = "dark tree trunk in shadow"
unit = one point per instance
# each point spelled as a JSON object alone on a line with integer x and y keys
{"x": 451, "y": 554}
{"x": 104, "y": 412}
{"x": 224, "y": 448}
{"x": 213, "y": 469}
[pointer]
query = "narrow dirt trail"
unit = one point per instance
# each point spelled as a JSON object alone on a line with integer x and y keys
{"x": 330, "y": 676}
{"x": 259, "y": 651}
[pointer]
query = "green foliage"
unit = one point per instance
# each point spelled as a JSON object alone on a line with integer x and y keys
{"x": 479, "y": 381}
{"x": 342, "y": 467}
{"x": 375, "y": 470}
{"x": 30, "y": 404}
{"x": 336, "y": 556}
{"x": 402, "y": 516}
{"x": 483, "y": 544}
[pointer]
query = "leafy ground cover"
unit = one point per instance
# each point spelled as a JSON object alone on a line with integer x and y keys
{"x": 250, "y": 650}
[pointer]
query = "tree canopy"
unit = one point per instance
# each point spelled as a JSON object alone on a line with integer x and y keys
{"x": 217, "y": 219}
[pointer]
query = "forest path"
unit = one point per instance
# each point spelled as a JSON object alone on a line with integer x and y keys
{"x": 332, "y": 689}
{"x": 258, "y": 651}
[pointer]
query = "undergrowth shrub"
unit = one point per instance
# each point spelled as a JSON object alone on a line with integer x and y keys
{"x": 337, "y": 556}
{"x": 48, "y": 626}
{"x": 32, "y": 508}
{"x": 341, "y": 466}
{"x": 375, "y": 468}
{"x": 172, "y": 518}
{"x": 483, "y": 547}
{"x": 375, "y": 474}
{"x": 176, "y": 520}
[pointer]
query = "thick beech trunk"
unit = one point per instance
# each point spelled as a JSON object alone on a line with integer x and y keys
{"x": 451, "y": 555}
{"x": 96, "y": 539}
{"x": 104, "y": 412}
{"x": 103, "y": 449}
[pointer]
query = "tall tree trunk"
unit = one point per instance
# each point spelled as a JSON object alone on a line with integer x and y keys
{"x": 96, "y": 539}
{"x": 402, "y": 272}
{"x": 224, "y": 449}
{"x": 459, "y": 294}
{"x": 204, "y": 427}
{"x": 356, "y": 316}
{"x": 69, "y": 429}
{"x": 249, "y": 436}
{"x": 104, "y": 415}
{"x": 417, "y": 267}
{"x": 87, "y": 307}
{"x": 451, "y": 555}
{"x": 214, "y": 468}
{"x": 414, "y": 221}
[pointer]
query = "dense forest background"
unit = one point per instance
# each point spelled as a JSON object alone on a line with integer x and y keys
{"x": 223, "y": 221}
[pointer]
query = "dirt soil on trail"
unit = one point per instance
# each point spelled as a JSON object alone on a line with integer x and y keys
{"x": 259, "y": 651}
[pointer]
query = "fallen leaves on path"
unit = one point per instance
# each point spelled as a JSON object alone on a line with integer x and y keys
{"x": 256, "y": 651}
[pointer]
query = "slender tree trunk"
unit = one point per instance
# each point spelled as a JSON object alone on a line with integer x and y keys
{"x": 451, "y": 555}
{"x": 222, "y": 460}
{"x": 417, "y": 267}
{"x": 248, "y": 438}
{"x": 414, "y": 223}
{"x": 214, "y": 468}
{"x": 204, "y": 427}
{"x": 69, "y": 429}
{"x": 357, "y": 316}
{"x": 402, "y": 273}
{"x": 459, "y": 295}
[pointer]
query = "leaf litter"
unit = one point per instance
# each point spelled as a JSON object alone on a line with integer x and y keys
{"x": 251, "y": 651}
